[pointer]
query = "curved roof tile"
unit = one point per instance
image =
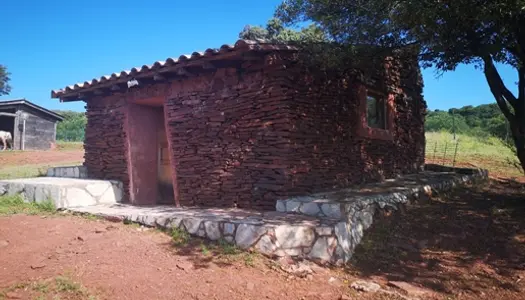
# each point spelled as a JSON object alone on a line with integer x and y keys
{"x": 240, "y": 44}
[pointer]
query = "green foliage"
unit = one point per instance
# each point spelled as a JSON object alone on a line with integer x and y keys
{"x": 5, "y": 88}
{"x": 481, "y": 121}
{"x": 72, "y": 128}
{"x": 180, "y": 237}
{"x": 448, "y": 32}
{"x": 276, "y": 32}
{"x": 441, "y": 120}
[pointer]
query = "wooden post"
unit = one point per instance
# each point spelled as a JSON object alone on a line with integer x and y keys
{"x": 445, "y": 153}
{"x": 455, "y": 153}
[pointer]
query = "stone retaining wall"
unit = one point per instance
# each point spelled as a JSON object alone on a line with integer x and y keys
{"x": 64, "y": 192}
{"x": 68, "y": 172}
{"x": 272, "y": 234}
{"x": 325, "y": 229}
{"x": 357, "y": 209}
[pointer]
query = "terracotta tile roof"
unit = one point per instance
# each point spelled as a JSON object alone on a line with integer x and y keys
{"x": 137, "y": 72}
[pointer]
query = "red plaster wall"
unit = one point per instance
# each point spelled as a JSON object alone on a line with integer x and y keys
{"x": 142, "y": 128}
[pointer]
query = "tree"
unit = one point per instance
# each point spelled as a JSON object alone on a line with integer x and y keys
{"x": 72, "y": 128}
{"x": 441, "y": 120}
{"x": 446, "y": 32}
{"x": 5, "y": 88}
{"x": 276, "y": 32}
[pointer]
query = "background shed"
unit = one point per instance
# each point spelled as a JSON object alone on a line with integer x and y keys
{"x": 32, "y": 127}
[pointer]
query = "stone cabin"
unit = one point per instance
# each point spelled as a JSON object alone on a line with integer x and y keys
{"x": 247, "y": 124}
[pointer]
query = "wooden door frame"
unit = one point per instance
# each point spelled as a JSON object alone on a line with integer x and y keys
{"x": 167, "y": 129}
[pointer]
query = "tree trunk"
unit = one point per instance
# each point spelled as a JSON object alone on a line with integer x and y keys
{"x": 519, "y": 140}
{"x": 515, "y": 114}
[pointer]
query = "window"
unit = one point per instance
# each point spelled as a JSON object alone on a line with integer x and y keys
{"x": 375, "y": 112}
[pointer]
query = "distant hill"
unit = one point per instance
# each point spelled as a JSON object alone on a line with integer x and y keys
{"x": 482, "y": 120}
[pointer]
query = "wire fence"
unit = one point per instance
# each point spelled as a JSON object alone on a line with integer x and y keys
{"x": 443, "y": 153}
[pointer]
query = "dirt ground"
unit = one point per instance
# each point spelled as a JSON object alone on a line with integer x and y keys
{"x": 116, "y": 261}
{"x": 469, "y": 244}
{"x": 11, "y": 158}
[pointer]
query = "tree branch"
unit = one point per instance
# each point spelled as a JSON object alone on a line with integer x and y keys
{"x": 498, "y": 89}
{"x": 521, "y": 82}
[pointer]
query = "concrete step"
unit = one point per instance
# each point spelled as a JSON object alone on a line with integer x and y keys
{"x": 64, "y": 192}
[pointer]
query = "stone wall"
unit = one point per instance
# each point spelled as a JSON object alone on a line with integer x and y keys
{"x": 229, "y": 134}
{"x": 328, "y": 151}
{"x": 68, "y": 172}
{"x": 253, "y": 131}
{"x": 105, "y": 140}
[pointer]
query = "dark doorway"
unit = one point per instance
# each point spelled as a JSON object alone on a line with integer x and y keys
{"x": 150, "y": 167}
{"x": 7, "y": 123}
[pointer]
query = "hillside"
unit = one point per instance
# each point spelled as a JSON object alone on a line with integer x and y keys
{"x": 482, "y": 121}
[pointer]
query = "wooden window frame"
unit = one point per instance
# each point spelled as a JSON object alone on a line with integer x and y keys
{"x": 370, "y": 132}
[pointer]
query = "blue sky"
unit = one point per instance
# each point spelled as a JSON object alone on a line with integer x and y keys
{"x": 50, "y": 44}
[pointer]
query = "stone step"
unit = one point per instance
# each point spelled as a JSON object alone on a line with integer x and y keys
{"x": 64, "y": 192}
{"x": 326, "y": 241}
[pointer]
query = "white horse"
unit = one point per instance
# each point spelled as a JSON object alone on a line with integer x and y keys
{"x": 6, "y": 137}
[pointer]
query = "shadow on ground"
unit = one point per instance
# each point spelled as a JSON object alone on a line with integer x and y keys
{"x": 470, "y": 240}
{"x": 204, "y": 253}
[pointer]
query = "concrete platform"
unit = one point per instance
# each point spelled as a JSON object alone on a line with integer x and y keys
{"x": 357, "y": 207}
{"x": 389, "y": 193}
{"x": 270, "y": 233}
{"x": 64, "y": 192}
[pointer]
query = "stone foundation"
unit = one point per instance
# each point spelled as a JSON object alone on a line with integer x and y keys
{"x": 324, "y": 228}
{"x": 357, "y": 207}
{"x": 64, "y": 192}
{"x": 273, "y": 234}
{"x": 68, "y": 172}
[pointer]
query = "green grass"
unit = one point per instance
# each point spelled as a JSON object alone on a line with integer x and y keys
{"x": 488, "y": 153}
{"x": 179, "y": 237}
{"x": 28, "y": 171}
{"x": 60, "y": 287}
{"x": 67, "y": 146}
{"x": 15, "y": 205}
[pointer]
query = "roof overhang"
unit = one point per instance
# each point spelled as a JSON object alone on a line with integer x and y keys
{"x": 24, "y": 102}
{"x": 169, "y": 68}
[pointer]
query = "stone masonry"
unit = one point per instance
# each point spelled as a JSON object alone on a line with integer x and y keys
{"x": 249, "y": 126}
{"x": 64, "y": 192}
{"x": 358, "y": 206}
{"x": 105, "y": 141}
{"x": 68, "y": 172}
{"x": 271, "y": 233}
{"x": 324, "y": 228}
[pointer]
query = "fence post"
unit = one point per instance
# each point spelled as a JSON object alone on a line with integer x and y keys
{"x": 445, "y": 153}
{"x": 435, "y": 149}
{"x": 455, "y": 153}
